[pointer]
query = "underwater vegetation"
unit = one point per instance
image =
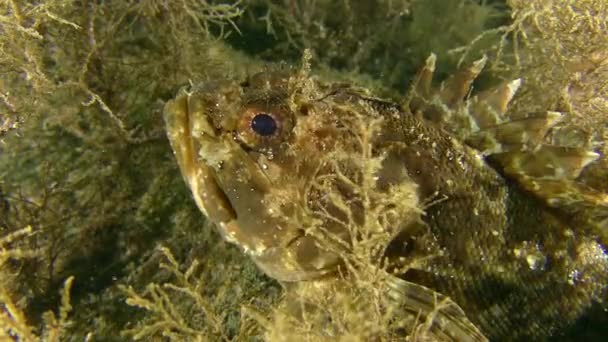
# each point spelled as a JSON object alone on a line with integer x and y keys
{"x": 100, "y": 237}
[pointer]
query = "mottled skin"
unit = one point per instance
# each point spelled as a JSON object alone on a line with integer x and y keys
{"x": 483, "y": 225}
{"x": 518, "y": 268}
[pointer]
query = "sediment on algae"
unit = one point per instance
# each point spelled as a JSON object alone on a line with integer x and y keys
{"x": 384, "y": 40}
{"x": 89, "y": 188}
{"x": 84, "y": 158}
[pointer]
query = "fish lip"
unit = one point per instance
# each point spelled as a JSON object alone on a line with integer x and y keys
{"x": 220, "y": 197}
{"x": 200, "y": 177}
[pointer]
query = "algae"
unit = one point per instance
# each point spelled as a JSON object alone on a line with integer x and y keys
{"x": 86, "y": 166}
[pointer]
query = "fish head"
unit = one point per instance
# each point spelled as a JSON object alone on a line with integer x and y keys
{"x": 250, "y": 153}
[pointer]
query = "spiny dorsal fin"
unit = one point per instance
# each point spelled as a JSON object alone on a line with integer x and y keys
{"x": 444, "y": 106}
{"x": 424, "y": 79}
{"x": 550, "y": 173}
{"x": 522, "y": 134}
{"x": 589, "y": 205}
{"x": 517, "y": 143}
{"x": 454, "y": 90}
{"x": 489, "y": 107}
{"x": 546, "y": 162}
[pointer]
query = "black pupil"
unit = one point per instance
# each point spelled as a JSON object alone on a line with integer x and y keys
{"x": 264, "y": 124}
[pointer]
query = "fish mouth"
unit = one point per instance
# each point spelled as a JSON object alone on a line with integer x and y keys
{"x": 182, "y": 130}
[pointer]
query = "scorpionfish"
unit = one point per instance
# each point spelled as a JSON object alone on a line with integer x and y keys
{"x": 488, "y": 201}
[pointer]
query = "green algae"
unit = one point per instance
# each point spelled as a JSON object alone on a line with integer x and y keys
{"x": 85, "y": 163}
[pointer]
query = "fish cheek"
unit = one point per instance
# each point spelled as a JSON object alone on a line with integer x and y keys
{"x": 246, "y": 188}
{"x": 256, "y": 230}
{"x": 276, "y": 242}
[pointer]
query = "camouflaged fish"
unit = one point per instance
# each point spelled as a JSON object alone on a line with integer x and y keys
{"x": 503, "y": 226}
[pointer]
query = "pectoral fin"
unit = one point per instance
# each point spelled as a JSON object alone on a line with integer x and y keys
{"x": 440, "y": 317}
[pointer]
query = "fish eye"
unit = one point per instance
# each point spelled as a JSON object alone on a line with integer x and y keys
{"x": 264, "y": 124}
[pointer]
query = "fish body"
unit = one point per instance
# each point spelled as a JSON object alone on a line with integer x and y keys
{"x": 465, "y": 200}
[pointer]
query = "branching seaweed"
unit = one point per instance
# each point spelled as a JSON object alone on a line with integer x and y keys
{"x": 13, "y": 321}
{"x": 384, "y": 40}
{"x": 168, "y": 321}
{"x": 84, "y": 160}
{"x": 84, "y": 163}
{"x": 182, "y": 307}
